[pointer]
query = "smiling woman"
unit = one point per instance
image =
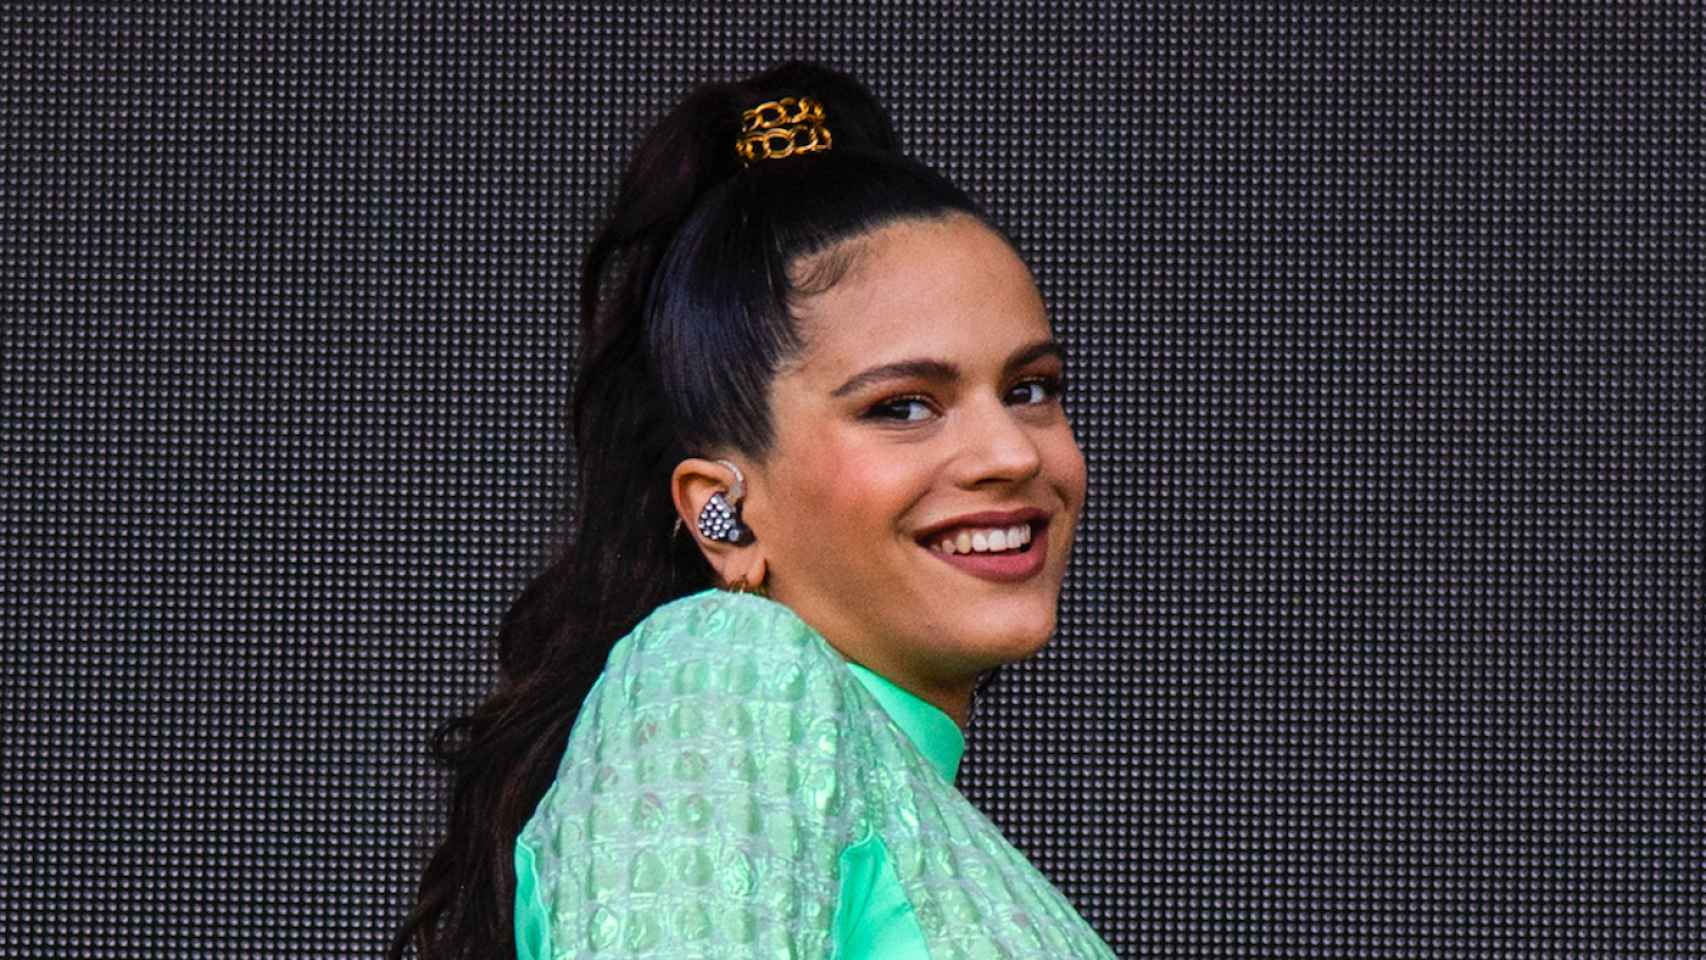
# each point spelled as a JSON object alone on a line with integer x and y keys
{"x": 922, "y": 410}
{"x": 825, "y": 484}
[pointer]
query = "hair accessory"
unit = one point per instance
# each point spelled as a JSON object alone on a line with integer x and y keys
{"x": 719, "y": 519}
{"x": 781, "y": 128}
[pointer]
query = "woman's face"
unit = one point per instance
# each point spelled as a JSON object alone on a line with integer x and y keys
{"x": 919, "y": 502}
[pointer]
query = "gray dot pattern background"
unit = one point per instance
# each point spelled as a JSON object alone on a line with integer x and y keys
{"x": 1384, "y": 637}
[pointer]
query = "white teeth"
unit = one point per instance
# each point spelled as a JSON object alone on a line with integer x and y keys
{"x": 987, "y": 541}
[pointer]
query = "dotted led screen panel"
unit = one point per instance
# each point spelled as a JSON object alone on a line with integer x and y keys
{"x": 1384, "y": 633}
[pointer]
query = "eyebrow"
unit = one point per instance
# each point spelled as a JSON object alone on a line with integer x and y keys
{"x": 922, "y": 369}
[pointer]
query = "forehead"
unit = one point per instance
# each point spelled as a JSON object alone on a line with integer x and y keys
{"x": 950, "y": 289}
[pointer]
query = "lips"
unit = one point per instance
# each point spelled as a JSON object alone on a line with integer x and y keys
{"x": 985, "y": 539}
{"x": 1005, "y": 566}
{"x": 1036, "y": 519}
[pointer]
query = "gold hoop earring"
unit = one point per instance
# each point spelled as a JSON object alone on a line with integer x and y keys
{"x": 741, "y": 586}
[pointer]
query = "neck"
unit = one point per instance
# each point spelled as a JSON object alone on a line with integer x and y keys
{"x": 953, "y": 699}
{"x": 951, "y": 694}
{"x": 956, "y": 705}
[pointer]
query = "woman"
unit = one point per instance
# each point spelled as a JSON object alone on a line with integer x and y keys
{"x": 825, "y": 484}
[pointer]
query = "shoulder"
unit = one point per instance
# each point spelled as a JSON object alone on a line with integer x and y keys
{"x": 718, "y": 645}
{"x": 705, "y": 791}
{"x": 718, "y": 619}
{"x": 722, "y": 696}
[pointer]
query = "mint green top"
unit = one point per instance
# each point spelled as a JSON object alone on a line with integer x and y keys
{"x": 734, "y": 788}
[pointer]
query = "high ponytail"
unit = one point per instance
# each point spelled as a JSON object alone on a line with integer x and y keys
{"x": 685, "y": 317}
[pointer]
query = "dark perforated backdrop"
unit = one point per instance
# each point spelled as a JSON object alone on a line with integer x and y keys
{"x": 1384, "y": 636}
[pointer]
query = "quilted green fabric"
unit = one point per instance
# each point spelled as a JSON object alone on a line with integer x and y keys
{"x": 717, "y": 778}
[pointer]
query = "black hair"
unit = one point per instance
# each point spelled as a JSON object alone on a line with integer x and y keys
{"x": 687, "y": 312}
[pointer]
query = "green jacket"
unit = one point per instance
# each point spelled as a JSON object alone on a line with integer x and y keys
{"x": 734, "y": 788}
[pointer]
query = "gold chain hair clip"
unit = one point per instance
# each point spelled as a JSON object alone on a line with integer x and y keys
{"x": 781, "y": 128}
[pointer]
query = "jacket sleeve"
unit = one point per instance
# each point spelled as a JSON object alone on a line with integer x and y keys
{"x": 699, "y": 808}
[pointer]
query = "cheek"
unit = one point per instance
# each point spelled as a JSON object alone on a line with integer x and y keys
{"x": 860, "y": 488}
{"x": 1069, "y": 478}
{"x": 842, "y": 492}
{"x": 1066, "y": 466}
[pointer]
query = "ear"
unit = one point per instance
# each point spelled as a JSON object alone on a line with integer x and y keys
{"x": 691, "y": 485}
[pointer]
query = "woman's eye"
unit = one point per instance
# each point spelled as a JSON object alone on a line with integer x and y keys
{"x": 904, "y": 409}
{"x": 1032, "y": 392}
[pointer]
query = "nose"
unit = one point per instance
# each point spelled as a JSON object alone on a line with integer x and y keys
{"x": 995, "y": 447}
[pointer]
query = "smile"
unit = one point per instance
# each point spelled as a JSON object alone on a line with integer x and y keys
{"x": 995, "y": 540}
{"x": 1003, "y": 549}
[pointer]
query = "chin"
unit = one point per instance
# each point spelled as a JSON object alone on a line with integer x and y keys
{"x": 999, "y": 640}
